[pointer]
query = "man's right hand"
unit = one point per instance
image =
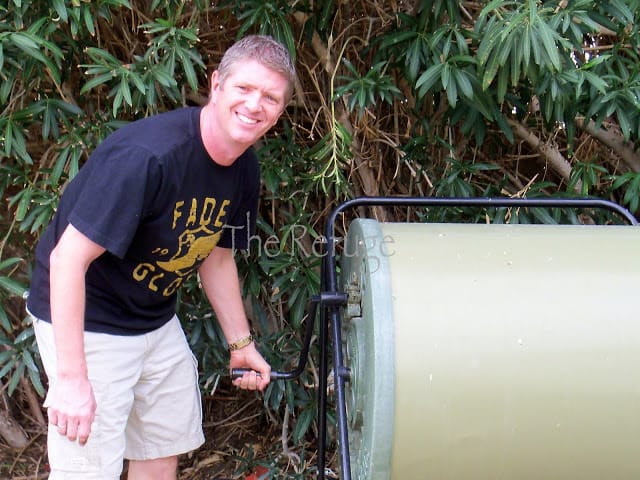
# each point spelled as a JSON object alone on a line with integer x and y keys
{"x": 259, "y": 374}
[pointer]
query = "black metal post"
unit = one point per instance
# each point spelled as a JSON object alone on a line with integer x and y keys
{"x": 322, "y": 394}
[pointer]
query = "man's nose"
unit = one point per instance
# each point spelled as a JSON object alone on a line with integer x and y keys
{"x": 254, "y": 101}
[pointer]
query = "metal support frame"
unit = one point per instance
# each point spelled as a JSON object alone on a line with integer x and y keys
{"x": 330, "y": 300}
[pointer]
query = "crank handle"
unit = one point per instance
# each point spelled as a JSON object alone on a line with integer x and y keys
{"x": 238, "y": 372}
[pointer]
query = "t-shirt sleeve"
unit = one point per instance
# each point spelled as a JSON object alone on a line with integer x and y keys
{"x": 110, "y": 206}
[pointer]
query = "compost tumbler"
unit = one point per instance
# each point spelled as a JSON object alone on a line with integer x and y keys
{"x": 477, "y": 351}
{"x": 492, "y": 351}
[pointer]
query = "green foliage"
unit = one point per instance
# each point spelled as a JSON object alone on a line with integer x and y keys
{"x": 31, "y": 50}
{"x": 587, "y": 175}
{"x": 458, "y": 179}
{"x": 332, "y": 154}
{"x": 282, "y": 161}
{"x": 171, "y": 45}
{"x": 631, "y": 195}
{"x": 81, "y": 15}
{"x": 266, "y": 18}
{"x": 8, "y": 284}
{"x": 365, "y": 90}
{"x": 454, "y": 77}
{"x": 513, "y": 41}
{"x": 409, "y": 47}
{"x": 622, "y": 96}
{"x": 18, "y": 354}
{"x": 140, "y": 84}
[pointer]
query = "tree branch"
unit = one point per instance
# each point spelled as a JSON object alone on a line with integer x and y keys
{"x": 10, "y": 429}
{"x": 614, "y": 141}
{"x": 551, "y": 154}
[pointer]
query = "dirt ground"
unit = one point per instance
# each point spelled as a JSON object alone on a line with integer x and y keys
{"x": 240, "y": 444}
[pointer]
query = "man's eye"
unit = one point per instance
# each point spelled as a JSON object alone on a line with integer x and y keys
{"x": 273, "y": 99}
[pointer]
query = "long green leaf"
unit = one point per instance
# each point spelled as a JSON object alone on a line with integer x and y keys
{"x": 60, "y": 9}
{"x": 9, "y": 262}
{"x": 15, "y": 378}
{"x": 8, "y": 364}
{"x": 96, "y": 81}
{"x": 547, "y": 35}
{"x": 12, "y": 286}
{"x": 428, "y": 79}
{"x": 5, "y": 323}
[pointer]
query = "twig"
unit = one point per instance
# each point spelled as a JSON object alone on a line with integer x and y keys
{"x": 292, "y": 456}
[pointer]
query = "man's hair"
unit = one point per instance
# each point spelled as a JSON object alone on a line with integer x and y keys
{"x": 264, "y": 49}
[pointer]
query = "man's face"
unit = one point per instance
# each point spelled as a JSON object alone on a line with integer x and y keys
{"x": 248, "y": 102}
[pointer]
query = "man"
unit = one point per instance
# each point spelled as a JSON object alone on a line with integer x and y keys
{"x": 159, "y": 199}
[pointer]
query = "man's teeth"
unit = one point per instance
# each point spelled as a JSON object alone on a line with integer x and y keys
{"x": 247, "y": 120}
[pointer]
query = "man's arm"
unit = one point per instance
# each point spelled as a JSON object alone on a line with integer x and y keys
{"x": 219, "y": 276}
{"x": 71, "y": 403}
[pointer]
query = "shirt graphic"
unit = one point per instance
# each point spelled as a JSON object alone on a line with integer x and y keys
{"x": 197, "y": 228}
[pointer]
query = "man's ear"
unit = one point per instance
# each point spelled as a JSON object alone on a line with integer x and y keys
{"x": 214, "y": 84}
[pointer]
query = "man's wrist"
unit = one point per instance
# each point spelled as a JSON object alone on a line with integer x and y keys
{"x": 241, "y": 343}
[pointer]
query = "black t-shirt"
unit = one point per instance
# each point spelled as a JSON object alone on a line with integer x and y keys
{"x": 154, "y": 199}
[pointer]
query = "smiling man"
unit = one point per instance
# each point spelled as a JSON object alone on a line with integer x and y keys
{"x": 159, "y": 200}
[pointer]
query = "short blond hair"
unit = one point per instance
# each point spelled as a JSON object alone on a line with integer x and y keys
{"x": 264, "y": 49}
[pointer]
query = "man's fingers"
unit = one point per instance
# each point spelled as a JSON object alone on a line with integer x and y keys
{"x": 264, "y": 379}
{"x": 72, "y": 430}
{"x": 59, "y": 421}
{"x": 249, "y": 381}
{"x": 79, "y": 429}
{"x": 84, "y": 429}
{"x": 53, "y": 416}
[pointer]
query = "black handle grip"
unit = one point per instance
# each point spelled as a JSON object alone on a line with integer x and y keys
{"x": 238, "y": 372}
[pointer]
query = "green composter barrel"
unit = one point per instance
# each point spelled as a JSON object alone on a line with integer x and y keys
{"x": 492, "y": 351}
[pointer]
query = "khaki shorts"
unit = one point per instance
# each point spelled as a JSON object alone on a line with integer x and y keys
{"x": 148, "y": 401}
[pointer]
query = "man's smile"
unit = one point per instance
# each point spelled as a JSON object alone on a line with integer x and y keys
{"x": 245, "y": 119}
